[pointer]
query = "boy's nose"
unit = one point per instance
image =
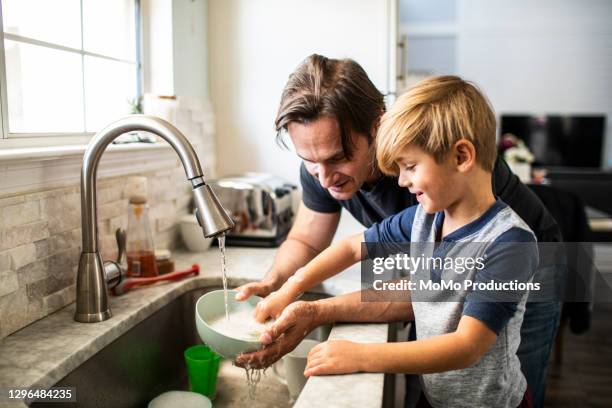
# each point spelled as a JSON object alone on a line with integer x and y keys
{"x": 403, "y": 180}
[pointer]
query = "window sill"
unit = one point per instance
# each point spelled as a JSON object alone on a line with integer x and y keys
{"x": 28, "y": 169}
{"x": 33, "y": 154}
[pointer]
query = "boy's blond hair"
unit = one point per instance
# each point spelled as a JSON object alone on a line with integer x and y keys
{"x": 433, "y": 115}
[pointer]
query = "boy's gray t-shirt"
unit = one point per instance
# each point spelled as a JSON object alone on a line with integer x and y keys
{"x": 496, "y": 380}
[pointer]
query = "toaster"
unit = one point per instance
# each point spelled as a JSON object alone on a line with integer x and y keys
{"x": 261, "y": 205}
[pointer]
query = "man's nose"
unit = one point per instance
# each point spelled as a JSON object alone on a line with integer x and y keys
{"x": 325, "y": 176}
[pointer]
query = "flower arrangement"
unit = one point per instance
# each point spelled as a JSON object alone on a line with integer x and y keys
{"x": 514, "y": 149}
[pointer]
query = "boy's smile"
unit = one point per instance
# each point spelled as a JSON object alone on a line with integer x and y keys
{"x": 434, "y": 184}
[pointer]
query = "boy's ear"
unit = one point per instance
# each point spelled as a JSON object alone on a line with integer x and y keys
{"x": 464, "y": 155}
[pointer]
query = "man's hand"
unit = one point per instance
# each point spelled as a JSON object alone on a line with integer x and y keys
{"x": 335, "y": 357}
{"x": 262, "y": 288}
{"x": 296, "y": 321}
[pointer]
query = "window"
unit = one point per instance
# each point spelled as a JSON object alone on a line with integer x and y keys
{"x": 68, "y": 67}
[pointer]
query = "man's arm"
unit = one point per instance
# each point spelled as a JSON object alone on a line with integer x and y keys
{"x": 311, "y": 233}
{"x": 344, "y": 309}
{"x": 350, "y": 308}
{"x": 300, "y": 318}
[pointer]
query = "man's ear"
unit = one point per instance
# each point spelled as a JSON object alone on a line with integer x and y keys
{"x": 375, "y": 127}
{"x": 373, "y": 132}
{"x": 464, "y": 154}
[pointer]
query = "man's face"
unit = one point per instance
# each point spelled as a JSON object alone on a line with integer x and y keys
{"x": 319, "y": 144}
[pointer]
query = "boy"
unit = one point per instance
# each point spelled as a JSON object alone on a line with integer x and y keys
{"x": 440, "y": 139}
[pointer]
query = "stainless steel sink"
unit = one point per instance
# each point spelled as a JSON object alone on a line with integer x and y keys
{"x": 148, "y": 360}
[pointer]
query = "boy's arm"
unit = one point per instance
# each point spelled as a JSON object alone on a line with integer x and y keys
{"x": 328, "y": 263}
{"x": 453, "y": 351}
{"x": 336, "y": 258}
{"x": 512, "y": 257}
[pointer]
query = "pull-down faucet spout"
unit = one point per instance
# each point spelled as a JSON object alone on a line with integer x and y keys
{"x": 91, "y": 296}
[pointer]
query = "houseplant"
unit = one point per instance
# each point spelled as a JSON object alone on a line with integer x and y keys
{"x": 517, "y": 155}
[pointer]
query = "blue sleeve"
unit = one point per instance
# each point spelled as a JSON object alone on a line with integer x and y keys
{"x": 394, "y": 229}
{"x": 513, "y": 256}
{"x": 314, "y": 196}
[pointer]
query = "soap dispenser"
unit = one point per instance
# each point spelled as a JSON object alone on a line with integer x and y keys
{"x": 140, "y": 246}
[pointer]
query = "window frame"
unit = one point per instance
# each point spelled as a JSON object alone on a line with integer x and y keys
{"x": 46, "y": 139}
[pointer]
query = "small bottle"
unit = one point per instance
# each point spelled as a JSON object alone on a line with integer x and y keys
{"x": 140, "y": 246}
{"x": 163, "y": 258}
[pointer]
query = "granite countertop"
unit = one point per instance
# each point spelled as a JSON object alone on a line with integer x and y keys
{"x": 44, "y": 352}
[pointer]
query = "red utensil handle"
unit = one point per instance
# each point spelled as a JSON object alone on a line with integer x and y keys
{"x": 172, "y": 276}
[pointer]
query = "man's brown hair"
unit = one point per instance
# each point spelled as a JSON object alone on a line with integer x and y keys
{"x": 323, "y": 86}
{"x": 433, "y": 115}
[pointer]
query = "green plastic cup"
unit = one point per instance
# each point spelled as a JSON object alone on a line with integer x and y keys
{"x": 202, "y": 368}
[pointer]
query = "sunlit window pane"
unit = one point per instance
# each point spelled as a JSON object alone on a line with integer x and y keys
{"x": 109, "y": 28}
{"x": 54, "y": 21}
{"x": 44, "y": 89}
{"x": 57, "y": 91}
{"x": 109, "y": 87}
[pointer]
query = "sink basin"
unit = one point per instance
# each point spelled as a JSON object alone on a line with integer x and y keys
{"x": 148, "y": 360}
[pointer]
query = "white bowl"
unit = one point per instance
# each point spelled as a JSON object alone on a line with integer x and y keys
{"x": 193, "y": 235}
{"x": 184, "y": 399}
{"x": 211, "y": 306}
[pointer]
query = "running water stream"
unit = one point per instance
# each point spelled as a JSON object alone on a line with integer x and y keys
{"x": 253, "y": 375}
{"x": 221, "y": 240}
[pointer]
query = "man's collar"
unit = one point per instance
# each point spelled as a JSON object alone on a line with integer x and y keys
{"x": 369, "y": 186}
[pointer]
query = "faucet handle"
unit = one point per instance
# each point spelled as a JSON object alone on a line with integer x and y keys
{"x": 115, "y": 271}
{"x": 121, "y": 246}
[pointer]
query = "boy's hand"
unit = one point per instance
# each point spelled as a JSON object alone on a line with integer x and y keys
{"x": 262, "y": 288}
{"x": 335, "y": 357}
{"x": 273, "y": 305}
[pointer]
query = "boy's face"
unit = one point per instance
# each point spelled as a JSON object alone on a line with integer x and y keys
{"x": 319, "y": 144}
{"x": 435, "y": 185}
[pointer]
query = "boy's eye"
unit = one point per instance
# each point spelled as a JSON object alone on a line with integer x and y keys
{"x": 410, "y": 168}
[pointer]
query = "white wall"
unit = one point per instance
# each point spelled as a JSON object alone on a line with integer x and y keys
{"x": 544, "y": 56}
{"x": 255, "y": 45}
{"x": 429, "y": 30}
{"x": 427, "y": 11}
{"x": 190, "y": 48}
{"x": 158, "y": 67}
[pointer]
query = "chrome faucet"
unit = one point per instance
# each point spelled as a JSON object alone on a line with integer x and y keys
{"x": 91, "y": 297}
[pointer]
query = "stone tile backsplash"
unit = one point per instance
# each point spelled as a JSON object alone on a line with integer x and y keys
{"x": 40, "y": 240}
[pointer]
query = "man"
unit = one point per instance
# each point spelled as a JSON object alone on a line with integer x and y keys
{"x": 331, "y": 111}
